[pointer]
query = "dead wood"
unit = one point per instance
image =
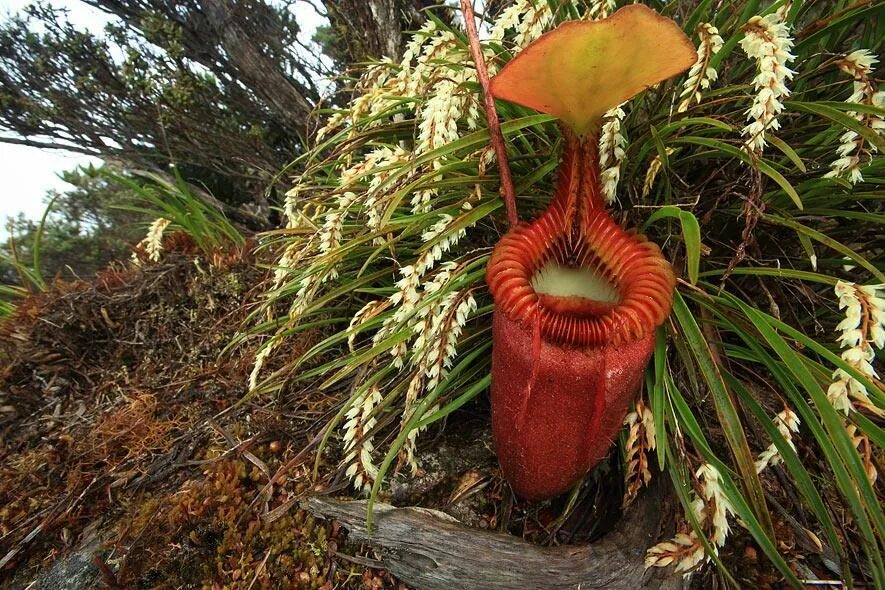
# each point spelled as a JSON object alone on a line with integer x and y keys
{"x": 429, "y": 550}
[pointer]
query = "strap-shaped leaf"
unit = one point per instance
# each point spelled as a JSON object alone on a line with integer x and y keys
{"x": 582, "y": 69}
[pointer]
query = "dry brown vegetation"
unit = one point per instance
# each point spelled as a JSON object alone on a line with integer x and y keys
{"x": 120, "y": 433}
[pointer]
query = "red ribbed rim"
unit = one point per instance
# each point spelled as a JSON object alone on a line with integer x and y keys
{"x": 643, "y": 279}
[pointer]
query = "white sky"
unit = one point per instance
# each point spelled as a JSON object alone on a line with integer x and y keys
{"x": 29, "y": 172}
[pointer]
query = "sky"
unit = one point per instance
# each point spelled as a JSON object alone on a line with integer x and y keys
{"x": 27, "y": 172}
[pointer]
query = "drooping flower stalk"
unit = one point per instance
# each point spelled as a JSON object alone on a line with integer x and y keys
{"x": 685, "y": 549}
{"x": 364, "y": 314}
{"x": 641, "y": 440}
{"x": 437, "y": 331}
{"x": 386, "y": 163}
{"x": 718, "y": 506}
{"x": 767, "y": 40}
{"x": 358, "y": 440}
{"x": 612, "y": 142}
{"x": 577, "y": 298}
{"x": 787, "y": 423}
{"x": 701, "y": 74}
{"x": 654, "y": 167}
{"x": 711, "y": 509}
{"x": 408, "y": 295}
{"x": 153, "y": 241}
{"x": 330, "y": 233}
{"x": 853, "y": 147}
{"x": 370, "y": 91}
{"x": 529, "y": 18}
{"x": 861, "y": 330}
{"x": 864, "y": 448}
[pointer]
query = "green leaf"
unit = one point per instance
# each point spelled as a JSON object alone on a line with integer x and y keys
{"x": 691, "y": 235}
{"x": 859, "y": 493}
{"x": 787, "y": 150}
{"x": 656, "y": 395}
{"x": 826, "y": 241}
{"x": 840, "y": 118}
{"x": 727, "y": 412}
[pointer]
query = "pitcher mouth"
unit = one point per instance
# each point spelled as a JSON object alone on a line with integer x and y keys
{"x": 589, "y": 287}
{"x": 578, "y": 291}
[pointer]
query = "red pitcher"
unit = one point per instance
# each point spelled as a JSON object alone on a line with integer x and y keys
{"x": 577, "y": 298}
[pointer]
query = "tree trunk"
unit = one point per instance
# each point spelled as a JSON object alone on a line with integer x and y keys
{"x": 257, "y": 70}
{"x": 371, "y": 29}
{"x": 229, "y": 37}
{"x": 429, "y": 550}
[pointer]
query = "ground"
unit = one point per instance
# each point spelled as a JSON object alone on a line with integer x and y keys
{"x": 131, "y": 458}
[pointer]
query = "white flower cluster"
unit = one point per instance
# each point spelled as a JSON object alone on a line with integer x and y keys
{"x": 437, "y": 330}
{"x": 435, "y": 67}
{"x": 767, "y": 40}
{"x": 853, "y": 148}
{"x": 685, "y": 549}
{"x": 641, "y": 440}
{"x": 153, "y": 241}
{"x": 701, "y": 74}
{"x": 438, "y": 123}
{"x": 258, "y": 364}
{"x": 654, "y": 167}
{"x": 407, "y": 296}
{"x": 717, "y": 506}
{"x": 330, "y": 234}
{"x": 385, "y": 165}
{"x": 290, "y": 206}
{"x": 787, "y": 423}
{"x": 429, "y": 47}
{"x": 377, "y": 166}
{"x": 358, "y": 439}
{"x": 862, "y": 328}
{"x": 295, "y": 251}
{"x": 711, "y": 509}
{"x": 371, "y": 97}
{"x": 292, "y": 254}
{"x": 611, "y": 152}
{"x": 437, "y": 335}
{"x": 530, "y": 18}
{"x": 365, "y": 313}
{"x": 307, "y": 288}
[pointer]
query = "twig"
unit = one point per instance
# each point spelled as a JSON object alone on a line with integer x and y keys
{"x": 482, "y": 74}
{"x": 107, "y": 575}
{"x": 260, "y": 568}
{"x": 822, "y": 22}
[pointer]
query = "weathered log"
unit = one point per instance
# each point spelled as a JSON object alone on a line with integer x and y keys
{"x": 430, "y": 550}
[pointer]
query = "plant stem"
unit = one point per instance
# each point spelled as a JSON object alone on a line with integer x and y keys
{"x": 482, "y": 74}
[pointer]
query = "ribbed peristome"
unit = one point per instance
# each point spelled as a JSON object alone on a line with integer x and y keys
{"x": 576, "y": 232}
